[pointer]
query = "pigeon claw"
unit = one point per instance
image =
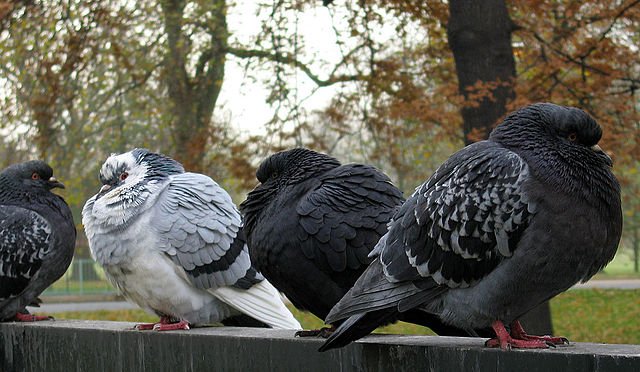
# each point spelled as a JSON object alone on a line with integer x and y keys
{"x": 519, "y": 333}
{"x": 518, "y": 338}
{"x": 511, "y": 343}
{"x": 551, "y": 340}
{"x": 144, "y": 326}
{"x": 323, "y": 332}
{"x": 165, "y": 324}
{"x": 183, "y": 324}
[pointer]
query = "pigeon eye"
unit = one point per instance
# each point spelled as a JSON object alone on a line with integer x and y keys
{"x": 123, "y": 176}
{"x": 35, "y": 176}
{"x": 573, "y": 136}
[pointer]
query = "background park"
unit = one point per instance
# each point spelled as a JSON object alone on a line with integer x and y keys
{"x": 401, "y": 85}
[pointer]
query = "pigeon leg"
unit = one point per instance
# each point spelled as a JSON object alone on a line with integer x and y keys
{"x": 506, "y": 342}
{"x": 519, "y": 333}
{"x": 20, "y": 317}
{"x": 323, "y": 332}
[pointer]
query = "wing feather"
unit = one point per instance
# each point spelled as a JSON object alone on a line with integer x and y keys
{"x": 346, "y": 211}
{"x": 25, "y": 239}
{"x": 199, "y": 227}
{"x": 462, "y": 221}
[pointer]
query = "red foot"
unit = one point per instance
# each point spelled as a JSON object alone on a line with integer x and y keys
{"x": 183, "y": 324}
{"x": 510, "y": 343}
{"x": 165, "y": 324}
{"x": 31, "y": 318}
{"x": 507, "y": 341}
{"x": 518, "y": 332}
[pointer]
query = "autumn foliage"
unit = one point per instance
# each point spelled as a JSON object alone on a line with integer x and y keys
{"x": 82, "y": 79}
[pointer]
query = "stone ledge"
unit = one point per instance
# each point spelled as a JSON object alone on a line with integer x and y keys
{"x": 114, "y": 346}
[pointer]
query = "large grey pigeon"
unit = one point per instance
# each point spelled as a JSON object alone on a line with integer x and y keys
{"x": 172, "y": 242}
{"x": 500, "y": 227}
{"x": 311, "y": 223}
{"x": 37, "y": 237}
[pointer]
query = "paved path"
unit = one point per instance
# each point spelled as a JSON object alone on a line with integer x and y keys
{"x": 613, "y": 283}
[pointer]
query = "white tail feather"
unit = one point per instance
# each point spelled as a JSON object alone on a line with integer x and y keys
{"x": 262, "y": 302}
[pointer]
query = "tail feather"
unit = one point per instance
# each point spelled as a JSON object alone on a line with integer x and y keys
{"x": 261, "y": 302}
{"x": 358, "y": 326}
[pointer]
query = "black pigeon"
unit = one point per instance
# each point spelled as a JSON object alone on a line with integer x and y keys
{"x": 311, "y": 225}
{"x": 37, "y": 237}
{"x": 500, "y": 227}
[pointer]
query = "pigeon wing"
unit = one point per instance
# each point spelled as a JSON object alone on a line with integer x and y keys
{"x": 345, "y": 215}
{"x": 199, "y": 227}
{"x": 25, "y": 239}
{"x": 463, "y": 221}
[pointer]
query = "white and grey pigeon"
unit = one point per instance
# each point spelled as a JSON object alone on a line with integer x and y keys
{"x": 172, "y": 242}
{"x": 500, "y": 227}
{"x": 37, "y": 237}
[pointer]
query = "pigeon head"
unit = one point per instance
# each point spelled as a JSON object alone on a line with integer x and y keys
{"x": 135, "y": 167}
{"x": 279, "y": 170}
{"x": 128, "y": 180}
{"x": 562, "y": 145}
{"x": 294, "y": 165}
{"x": 568, "y": 132}
{"x": 33, "y": 175}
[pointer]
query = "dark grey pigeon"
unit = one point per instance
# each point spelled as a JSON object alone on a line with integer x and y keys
{"x": 172, "y": 242}
{"x": 37, "y": 237}
{"x": 500, "y": 227}
{"x": 311, "y": 224}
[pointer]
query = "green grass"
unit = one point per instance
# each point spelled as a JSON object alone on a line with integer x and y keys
{"x": 598, "y": 315}
{"x": 585, "y": 315}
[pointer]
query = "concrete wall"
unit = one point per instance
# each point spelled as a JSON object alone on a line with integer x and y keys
{"x": 113, "y": 346}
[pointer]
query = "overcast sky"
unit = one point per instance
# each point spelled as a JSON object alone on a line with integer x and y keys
{"x": 242, "y": 101}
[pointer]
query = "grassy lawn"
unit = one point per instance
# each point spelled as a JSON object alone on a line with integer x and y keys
{"x": 585, "y": 315}
{"x": 598, "y": 315}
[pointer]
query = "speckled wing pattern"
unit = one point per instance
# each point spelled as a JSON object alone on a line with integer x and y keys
{"x": 451, "y": 232}
{"x": 346, "y": 214}
{"x": 199, "y": 227}
{"x": 460, "y": 224}
{"x": 25, "y": 238}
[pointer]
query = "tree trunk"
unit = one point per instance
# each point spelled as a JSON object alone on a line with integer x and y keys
{"x": 479, "y": 34}
{"x": 194, "y": 97}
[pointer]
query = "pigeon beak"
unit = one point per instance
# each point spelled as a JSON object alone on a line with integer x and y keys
{"x": 104, "y": 188}
{"x": 53, "y": 183}
{"x": 598, "y": 150}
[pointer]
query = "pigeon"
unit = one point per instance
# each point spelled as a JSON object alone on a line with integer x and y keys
{"x": 311, "y": 224}
{"x": 172, "y": 242}
{"x": 37, "y": 237}
{"x": 502, "y": 226}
